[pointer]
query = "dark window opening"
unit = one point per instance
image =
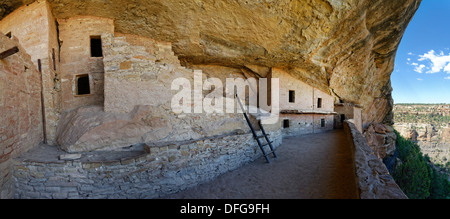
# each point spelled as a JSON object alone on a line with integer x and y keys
{"x": 82, "y": 86}
{"x": 322, "y": 123}
{"x": 291, "y": 96}
{"x": 286, "y": 123}
{"x": 9, "y": 35}
{"x": 319, "y": 103}
{"x": 342, "y": 117}
{"x": 96, "y": 46}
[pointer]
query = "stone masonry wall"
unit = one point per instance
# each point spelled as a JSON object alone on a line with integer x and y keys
{"x": 300, "y": 124}
{"x": 20, "y": 107}
{"x": 164, "y": 169}
{"x": 306, "y": 102}
{"x": 373, "y": 178}
{"x": 35, "y": 28}
{"x": 75, "y": 35}
{"x": 305, "y": 95}
{"x": 138, "y": 71}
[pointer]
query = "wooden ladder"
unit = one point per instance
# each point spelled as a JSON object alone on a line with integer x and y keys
{"x": 258, "y": 137}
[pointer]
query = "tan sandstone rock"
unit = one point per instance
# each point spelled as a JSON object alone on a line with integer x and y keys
{"x": 90, "y": 128}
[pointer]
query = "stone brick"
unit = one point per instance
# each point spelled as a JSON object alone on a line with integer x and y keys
{"x": 92, "y": 165}
{"x": 172, "y": 158}
{"x": 53, "y": 189}
{"x": 60, "y": 195}
{"x": 70, "y": 156}
{"x": 185, "y": 153}
{"x": 111, "y": 163}
{"x": 127, "y": 161}
{"x": 154, "y": 150}
{"x": 125, "y": 65}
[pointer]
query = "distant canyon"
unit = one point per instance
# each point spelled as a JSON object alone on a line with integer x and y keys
{"x": 429, "y": 126}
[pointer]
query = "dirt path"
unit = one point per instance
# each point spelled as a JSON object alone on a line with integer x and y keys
{"x": 315, "y": 166}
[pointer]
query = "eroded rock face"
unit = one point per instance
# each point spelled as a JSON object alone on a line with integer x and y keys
{"x": 346, "y": 48}
{"x": 381, "y": 138}
{"x": 92, "y": 129}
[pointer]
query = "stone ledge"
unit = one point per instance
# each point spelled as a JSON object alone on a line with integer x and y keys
{"x": 316, "y": 112}
{"x": 46, "y": 154}
{"x": 373, "y": 178}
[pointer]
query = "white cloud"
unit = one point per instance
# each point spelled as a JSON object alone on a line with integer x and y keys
{"x": 439, "y": 62}
{"x": 410, "y": 53}
{"x": 415, "y": 64}
{"x": 419, "y": 79}
{"x": 419, "y": 69}
{"x": 447, "y": 68}
{"x": 447, "y": 78}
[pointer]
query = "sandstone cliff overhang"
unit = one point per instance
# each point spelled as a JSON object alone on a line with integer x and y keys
{"x": 346, "y": 48}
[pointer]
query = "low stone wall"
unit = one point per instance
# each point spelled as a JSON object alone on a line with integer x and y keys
{"x": 160, "y": 170}
{"x": 306, "y": 124}
{"x": 373, "y": 178}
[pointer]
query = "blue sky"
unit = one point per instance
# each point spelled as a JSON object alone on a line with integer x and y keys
{"x": 422, "y": 65}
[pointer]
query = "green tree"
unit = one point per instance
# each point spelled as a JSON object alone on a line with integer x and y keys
{"x": 413, "y": 176}
{"x": 440, "y": 187}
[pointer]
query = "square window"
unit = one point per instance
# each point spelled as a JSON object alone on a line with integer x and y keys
{"x": 319, "y": 103}
{"x": 342, "y": 117}
{"x": 82, "y": 85}
{"x": 291, "y": 96}
{"x": 96, "y": 46}
{"x": 286, "y": 123}
{"x": 322, "y": 123}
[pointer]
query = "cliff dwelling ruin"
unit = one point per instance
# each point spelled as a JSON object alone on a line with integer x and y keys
{"x": 87, "y": 98}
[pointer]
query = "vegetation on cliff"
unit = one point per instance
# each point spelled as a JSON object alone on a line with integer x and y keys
{"x": 429, "y": 126}
{"x": 438, "y": 114}
{"x": 415, "y": 174}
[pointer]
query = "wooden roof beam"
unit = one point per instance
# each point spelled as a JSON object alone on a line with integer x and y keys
{"x": 9, "y": 52}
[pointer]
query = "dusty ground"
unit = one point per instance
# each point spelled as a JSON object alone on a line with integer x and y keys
{"x": 315, "y": 166}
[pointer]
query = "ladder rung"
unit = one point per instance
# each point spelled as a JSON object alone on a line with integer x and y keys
{"x": 271, "y": 152}
{"x": 265, "y": 144}
{"x": 262, "y": 136}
